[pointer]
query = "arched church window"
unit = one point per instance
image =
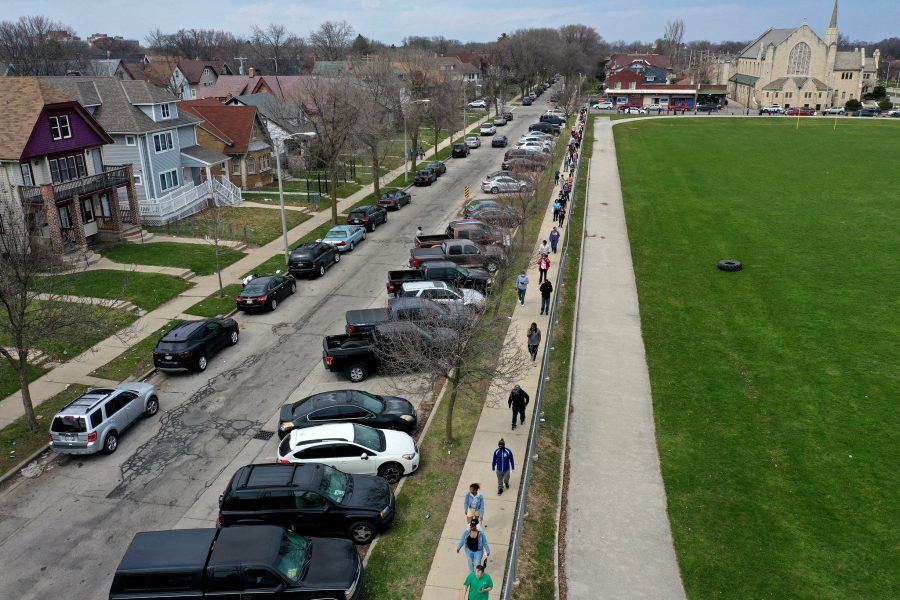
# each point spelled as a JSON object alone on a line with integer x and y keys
{"x": 798, "y": 61}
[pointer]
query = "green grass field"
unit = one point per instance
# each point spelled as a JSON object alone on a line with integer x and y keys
{"x": 776, "y": 388}
{"x": 257, "y": 226}
{"x": 146, "y": 290}
{"x": 199, "y": 258}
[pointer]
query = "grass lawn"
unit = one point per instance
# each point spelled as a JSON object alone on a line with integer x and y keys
{"x": 16, "y": 436}
{"x": 775, "y": 389}
{"x": 146, "y": 290}
{"x": 215, "y": 306}
{"x": 9, "y": 378}
{"x": 257, "y": 226}
{"x": 201, "y": 259}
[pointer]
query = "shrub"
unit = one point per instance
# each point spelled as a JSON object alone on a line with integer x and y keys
{"x": 852, "y": 105}
{"x": 885, "y": 105}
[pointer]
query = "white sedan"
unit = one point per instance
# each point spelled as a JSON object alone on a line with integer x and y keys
{"x": 473, "y": 141}
{"x": 353, "y": 448}
{"x": 542, "y": 147}
{"x": 478, "y": 104}
{"x": 603, "y": 106}
{"x": 635, "y": 111}
{"x": 502, "y": 183}
{"x": 488, "y": 129}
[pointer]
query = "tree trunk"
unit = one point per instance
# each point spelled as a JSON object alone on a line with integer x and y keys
{"x": 437, "y": 133}
{"x": 334, "y": 210}
{"x": 415, "y": 153}
{"x": 451, "y": 402}
{"x": 22, "y": 369}
{"x": 376, "y": 173}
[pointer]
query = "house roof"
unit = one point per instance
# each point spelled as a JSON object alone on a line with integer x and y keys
{"x": 772, "y": 36}
{"x": 116, "y": 102}
{"x": 203, "y": 156}
{"x": 104, "y": 67}
{"x": 744, "y": 79}
{"x": 849, "y": 61}
{"x": 284, "y": 87}
{"x": 286, "y": 115}
{"x": 778, "y": 84}
{"x": 232, "y": 123}
{"x": 23, "y": 100}
{"x": 618, "y": 61}
{"x": 193, "y": 69}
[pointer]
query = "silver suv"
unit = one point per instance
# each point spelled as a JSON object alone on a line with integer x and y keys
{"x": 94, "y": 421}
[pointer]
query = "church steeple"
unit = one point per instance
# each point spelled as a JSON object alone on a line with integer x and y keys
{"x": 831, "y": 36}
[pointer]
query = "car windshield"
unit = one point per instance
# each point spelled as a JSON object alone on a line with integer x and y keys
{"x": 371, "y": 402}
{"x": 372, "y": 439}
{"x": 359, "y": 212}
{"x": 293, "y": 556}
{"x": 69, "y": 424}
{"x": 336, "y": 233}
{"x": 256, "y": 286}
{"x": 335, "y": 484}
{"x": 462, "y": 271}
{"x": 424, "y": 173}
{"x": 471, "y": 137}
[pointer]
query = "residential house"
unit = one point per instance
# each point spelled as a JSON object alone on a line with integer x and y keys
{"x": 201, "y": 74}
{"x": 288, "y": 88}
{"x": 639, "y": 83}
{"x": 237, "y": 131}
{"x": 281, "y": 119}
{"x": 172, "y": 172}
{"x": 54, "y": 176}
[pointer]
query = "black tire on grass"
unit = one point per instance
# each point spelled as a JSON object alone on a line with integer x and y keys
{"x": 730, "y": 265}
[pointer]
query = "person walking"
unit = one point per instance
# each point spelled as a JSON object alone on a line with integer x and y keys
{"x": 476, "y": 545}
{"x": 544, "y": 248}
{"x": 503, "y": 464}
{"x": 546, "y": 289}
{"x": 477, "y": 585}
{"x": 518, "y": 400}
{"x": 554, "y": 239}
{"x": 473, "y": 505}
{"x": 556, "y": 206}
{"x": 562, "y": 216}
{"x": 543, "y": 265}
{"x": 521, "y": 286}
{"x": 534, "y": 340}
{"x": 556, "y": 178}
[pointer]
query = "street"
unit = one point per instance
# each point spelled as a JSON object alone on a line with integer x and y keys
{"x": 63, "y": 531}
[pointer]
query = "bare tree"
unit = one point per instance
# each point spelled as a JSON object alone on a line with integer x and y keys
{"x": 331, "y": 40}
{"x": 37, "y": 46}
{"x": 35, "y": 313}
{"x": 377, "y": 122}
{"x": 275, "y": 46}
{"x": 195, "y": 44}
{"x": 672, "y": 39}
{"x": 423, "y": 77}
{"x": 441, "y": 110}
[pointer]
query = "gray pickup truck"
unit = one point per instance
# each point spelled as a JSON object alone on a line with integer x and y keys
{"x": 403, "y": 309}
{"x": 441, "y": 270}
{"x": 465, "y": 229}
{"x": 463, "y": 252}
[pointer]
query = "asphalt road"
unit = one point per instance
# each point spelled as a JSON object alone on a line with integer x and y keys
{"x": 63, "y": 530}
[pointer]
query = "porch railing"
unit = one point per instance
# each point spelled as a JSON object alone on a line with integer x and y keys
{"x": 112, "y": 176}
{"x": 187, "y": 201}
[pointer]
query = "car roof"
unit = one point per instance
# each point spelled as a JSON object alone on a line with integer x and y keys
{"x": 321, "y": 433}
{"x": 91, "y": 398}
{"x": 267, "y": 475}
{"x": 365, "y": 207}
{"x": 184, "y": 330}
{"x": 308, "y": 246}
{"x": 424, "y": 285}
{"x": 257, "y": 544}
{"x": 177, "y": 548}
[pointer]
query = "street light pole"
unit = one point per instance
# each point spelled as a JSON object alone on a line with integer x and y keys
{"x": 405, "y": 151}
{"x": 284, "y": 231}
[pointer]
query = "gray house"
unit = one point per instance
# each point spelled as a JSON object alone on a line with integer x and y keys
{"x": 172, "y": 173}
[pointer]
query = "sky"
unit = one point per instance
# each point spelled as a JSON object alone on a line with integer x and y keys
{"x": 390, "y": 21}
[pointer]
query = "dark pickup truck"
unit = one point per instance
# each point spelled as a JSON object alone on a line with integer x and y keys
{"x": 403, "y": 309}
{"x": 462, "y": 252}
{"x": 441, "y": 270}
{"x": 357, "y": 354}
{"x": 237, "y": 562}
{"x": 466, "y": 229}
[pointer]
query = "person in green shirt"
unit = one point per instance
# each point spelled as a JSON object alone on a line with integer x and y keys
{"x": 478, "y": 583}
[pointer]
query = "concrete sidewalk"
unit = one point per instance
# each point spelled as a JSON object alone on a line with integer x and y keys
{"x": 78, "y": 369}
{"x": 618, "y": 541}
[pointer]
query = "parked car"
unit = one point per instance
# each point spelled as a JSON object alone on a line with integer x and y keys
{"x": 472, "y": 208}
{"x": 527, "y": 101}
{"x": 258, "y": 561}
{"x": 345, "y": 237}
{"x": 189, "y": 345}
{"x": 499, "y": 121}
{"x": 348, "y": 406}
{"x": 553, "y": 118}
{"x": 419, "y": 310}
{"x": 443, "y": 293}
{"x": 801, "y": 112}
{"x": 437, "y": 167}
{"x": 894, "y": 113}
{"x": 537, "y": 146}
{"x": 394, "y": 199}
{"x": 772, "y": 109}
{"x": 657, "y": 107}
{"x": 460, "y": 151}
{"x": 353, "y": 448}
{"x": 529, "y": 153}
{"x": 264, "y": 293}
{"x": 309, "y": 498}
{"x": 604, "y": 106}
{"x": 473, "y": 141}
{"x": 462, "y": 252}
{"x": 545, "y": 127}
{"x": 424, "y": 177}
{"x": 507, "y": 114}
{"x": 312, "y": 258}
{"x": 487, "y": 129}
{"x": 834, "y": 110}
{"x": 478, "y": 104}
{"x": 440, "y": 270}
{"x": 868, "y": 112}
{"x": 504, "y": 184}
{"x": 464, "y": 229}
{"x": 634, "y": 110}
{"x": 368, "y": 216}
{"x": 499, "y": 141}
{"x": 94, "y": 421}
{"x": 523, "y": 165}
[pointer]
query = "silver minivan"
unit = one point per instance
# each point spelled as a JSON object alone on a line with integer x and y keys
{"x": 94, "y": 421}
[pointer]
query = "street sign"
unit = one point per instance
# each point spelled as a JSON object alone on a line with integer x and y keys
{"x": 466, "y": 192}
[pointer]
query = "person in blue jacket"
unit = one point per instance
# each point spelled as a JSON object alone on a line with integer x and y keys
{"x": 473, "y": 504}
{"x": 476, "y": 545}
{"x": 503, "y": 464}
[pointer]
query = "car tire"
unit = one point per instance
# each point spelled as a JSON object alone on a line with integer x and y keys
{"x": 390, "y": 472}
{"x": 491, "y": 267}
{"x": 361, "y": 533}
{"x": 321, "y": 270}
{"x": 495, "y": 190}
{"x": 385, "y": 217}
{"x": 356, "y": 372}
{"x": 523, "y": 189}
{"x": 730, "y": 265}
{"x": 201, "y": 363}
{"x": 152, "y": 406}
{"x": 350, "y": 249}
{"x": 370, "y": 227}
{"x": 233, "y": 338}
{"x": 293, "y": 288}
{"x": 364, "y": 235}
{"x": 111, "y": 442}
{"x": 337, "y": 257}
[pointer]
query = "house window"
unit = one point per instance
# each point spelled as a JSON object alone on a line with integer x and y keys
{"x": 64, "y": 221}
{"x": 251, "y": 166}
{"x": 789, "y": 94}
{"x": 105, "y": 210}
{"x": 798, "y": 61}
{"x": 165, "y": 112}
{"x": 138, "y": 180}
{"x": 65, "y": 168}
{"x": 618, "y": 85}
{"x": 807, "y": 94}
{"x": 632, "y": 85}
{"x": 168, "y": 180}
{"x": 129, "y": 140}
{"x": 163, "y": 141}
{"x": 27, "y": 176}
{"x": 266, "y": 162}
{"x": 236, "y": 166}
{"x": 87, "y": 210}
{"x": 843, "y": 95}
{"x": 59, "y": 127}
{"x": 651, "y": 78}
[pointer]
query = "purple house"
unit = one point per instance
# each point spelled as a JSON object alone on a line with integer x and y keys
{"x": 52, "y": 175}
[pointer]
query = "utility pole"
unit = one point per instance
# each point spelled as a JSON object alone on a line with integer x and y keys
{"x": 241, "y": 60}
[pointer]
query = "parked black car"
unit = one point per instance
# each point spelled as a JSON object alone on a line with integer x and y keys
{"x": 312, "y": 258}
{"x": 707, "y": 107}
{"x": 499, "y": 141}
{"x": 507, "y": 114}
{"x": 368, "y": 216}
{"x": 437, "y": 167}
{"x": 545, "y": 127}
{"x": 264, "y": 293}
{"x": 526, "y": 101}
{"x": 460, "y": 151}
{"x": 868, "y": 112}
{"x": 555, "y": 119}
{"x": 354, "y": 406}
{"x": 309, "y": 498}
{"x": 425, "y": 177}
{"x": 394, "y": 199}
{"x": 190, "y": 344}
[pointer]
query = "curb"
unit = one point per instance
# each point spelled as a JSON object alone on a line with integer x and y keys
{"x": 15, "y": 470}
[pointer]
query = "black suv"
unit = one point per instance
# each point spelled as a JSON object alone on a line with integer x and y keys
{"x": 368, "y": 216}
{"x": 555, "y": 119}
{"x": 313, "y": 258}
{"x": 460, "y": 151}
{"x": 310, "y": 498}
{"x": 545, "y": 127}
{"x": 190, "y": 344}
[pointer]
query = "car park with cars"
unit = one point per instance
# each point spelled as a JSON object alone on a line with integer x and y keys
{"x": 473, "y": 141}
{"x": 487, "y": 129}
{"x": 94, "y": 421}
{"x": 190, "y": 344}
{"x": 460, "y": 151}
{"x": 348, "y": 406}
{"x": 353, "y": 448}
{"x": 394, "y": 199}
{"x": 345, "y": 237}
{"x": 264, "y": 293}
{"x": 424, "y": 177}
{"x": 309, "y": 499}
{"x": 368, "y": 216}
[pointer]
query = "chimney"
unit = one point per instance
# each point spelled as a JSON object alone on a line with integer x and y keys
{"x": 251, "y": 72}
{"x": 862, "y": 57}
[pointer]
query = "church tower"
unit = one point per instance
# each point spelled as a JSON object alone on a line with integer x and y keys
{"x": 831, "y": 35}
